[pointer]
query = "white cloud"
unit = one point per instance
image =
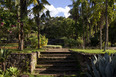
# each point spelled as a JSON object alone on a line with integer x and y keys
{"x": 55, "y": 11}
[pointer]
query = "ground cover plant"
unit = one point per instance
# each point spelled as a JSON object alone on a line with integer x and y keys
{"x": 10, "y": 72}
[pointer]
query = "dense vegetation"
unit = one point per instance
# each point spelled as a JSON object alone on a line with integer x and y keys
{"x": 91, "y": 24}
{"x": 88, "y": 25}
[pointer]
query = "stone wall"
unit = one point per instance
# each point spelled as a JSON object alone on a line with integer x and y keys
{"x": 33, "y": 61}
{"x": 23, "y": 61}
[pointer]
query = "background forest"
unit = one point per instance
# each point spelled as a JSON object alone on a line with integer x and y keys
{"x": 91, "y": 23}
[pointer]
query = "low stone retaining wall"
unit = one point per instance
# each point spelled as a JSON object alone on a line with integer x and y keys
{"x": 23, "y": 61}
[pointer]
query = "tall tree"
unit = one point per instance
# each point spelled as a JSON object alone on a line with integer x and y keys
{"x": 75, "y": 14}
{"x": 22, "y": 13}
{"x": 38, "y": 9}
{"x": 109, "y": 13}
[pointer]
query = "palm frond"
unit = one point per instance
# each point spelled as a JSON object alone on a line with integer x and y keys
{"x": 45, "y": 2}
{"x": 35, "y": 1}
{"x": 48, "y": 13}
{"x": 17, "y": 2}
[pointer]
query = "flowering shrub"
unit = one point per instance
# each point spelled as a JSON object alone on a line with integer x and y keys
{"x": 2, "y": 23}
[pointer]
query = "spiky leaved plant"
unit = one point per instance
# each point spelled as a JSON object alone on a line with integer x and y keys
{"x": 102, "y": 66}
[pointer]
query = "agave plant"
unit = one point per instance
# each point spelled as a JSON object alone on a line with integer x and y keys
{"x": 102, "y": 66}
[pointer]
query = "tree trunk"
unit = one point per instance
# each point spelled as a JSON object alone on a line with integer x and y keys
{"x": 89, "y": 30}
{"x": 76, "y": 32}
{"x": 22, "y": 37}
{"x": 38, "y": 25}
{"x": 100, "y": 37}
{"x": 23, "y": 14}
{"x": 106, "y": 28}
{"x": 3, "y": 66}
{"x": 83, "y": 36}
{"x": 87, "y": 33}
{"x": 19, "y": 35}
{"x": 19, "y": 39}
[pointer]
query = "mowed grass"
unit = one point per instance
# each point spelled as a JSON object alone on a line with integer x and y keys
{"x": 93, "y": 51}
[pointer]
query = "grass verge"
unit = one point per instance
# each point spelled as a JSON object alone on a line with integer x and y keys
{"x": 93, "y": 51}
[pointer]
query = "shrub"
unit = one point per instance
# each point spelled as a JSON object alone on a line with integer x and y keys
{"x": 109, "y": 44}
{"x": 94, "y": 41}
{"x": 114, "y": 44}
{"x": 73, "y": 43}
{"x": 69, "y": 42}
{"x": 79, "y": 42}
{"x": 10, "y": 72}
{"x": 4, "y": 53}
{"x": 34, "y": 41}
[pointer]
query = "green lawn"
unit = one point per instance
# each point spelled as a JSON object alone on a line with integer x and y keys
{"x": 93, "y": 51}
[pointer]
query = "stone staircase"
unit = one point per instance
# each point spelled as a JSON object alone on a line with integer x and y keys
{"x": 57, "y": 63}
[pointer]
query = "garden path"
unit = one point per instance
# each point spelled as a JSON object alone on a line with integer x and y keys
{"x": 57, "y": 62}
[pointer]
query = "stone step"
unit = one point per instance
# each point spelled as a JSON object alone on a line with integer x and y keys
{"x": 58, "y": 74}
{"x": 57, "y": 65}
{"x": 56, "y": 58}
{"x": 55, "y": 55}
{"x": 57, "y": 61}
{"x": 56, "y": 52}
{"x": 55, "y": 70}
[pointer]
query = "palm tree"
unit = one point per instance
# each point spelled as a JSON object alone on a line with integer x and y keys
{"x": 37, "y": 10}
{"x": 75, "y": 14}
{"x": 22, "y": 13}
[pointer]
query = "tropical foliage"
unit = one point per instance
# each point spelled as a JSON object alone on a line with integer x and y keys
{"x": 102, "y": 66}
{"x": 86, "y": 22}
{"x": 34, "y": 41}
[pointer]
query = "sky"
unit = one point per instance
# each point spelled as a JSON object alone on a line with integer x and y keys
{"x": 59, "y": 7}
{"x": 56, "y": 8}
